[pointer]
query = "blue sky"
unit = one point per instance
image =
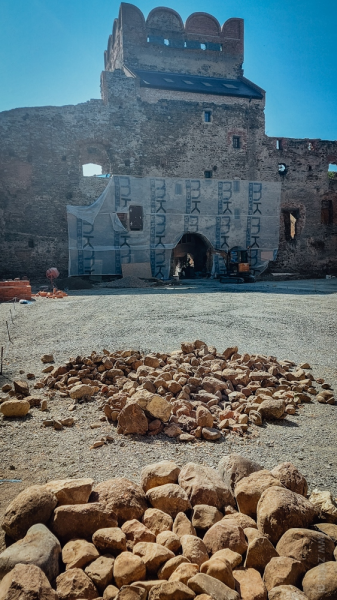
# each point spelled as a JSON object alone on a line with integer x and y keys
{"x": 51, "y": 53}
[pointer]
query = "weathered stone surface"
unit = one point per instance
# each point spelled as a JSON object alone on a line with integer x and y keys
{"x": 126, "y": 499}
{"x": 75, "y": 584}
{"x": 286, "y": 592}
{"x": 137, "y": 532}
{"x": 241, "y": 520}
{"x": 80, "y": 390}
{"x": 182, "y": 525}
{"x": 132, "y": 419}
{"x": 272, "y": 408}
{"x": 170, "y": 566}
{"x": 205, "y": 584}
{"x": 249, "y": 584}
{"x": 194, "y": 549}
{"x": 33, "y": 505}
{"x": 280, "y": 509}
{"x": 128, "y": 567}
{"x": 169, "y": 539}
{"x": 170, "y": 498}
{"x": 81, "y": 520}
{"x": 205, "y": 516}
{"x": 39, "y": 547}
{"x": 211, "y": 434}
{"x": 225, "y": 535}
{"x": 249, "y": 490}
{"x": 220, "y": 569}
{"x": 110, "y": 592}
{"x": 320, "y": 583}
{"x": 204, "y": 417}
{"x": 15, "y": 408}
{"x": 153, "y": 555}
{"x": 283, "y": 570}
{"x": 307, "y": 546}
{"x": 21, "y": 387}
{"x": 131, "y": 592}
{"x": 184, "y": 572}
{"x": 234, "y": 467}
{"x": 159, "y": 408}
{"x": 100, "y": 571}
{"x": 156, "y": 520}
{"x": 148, "y": 584}
{"x": 329, "y": 529}
{"x": 26, "y": 582}
{"x": 110, "y": 539}
{"x": 291, "y": 478}
{"x": 203, "y": 485}
{"x": 171, "y": 590}
{"x": 76, "y": 554}
{"x": 260, "y": 550}
{"x": 158, "y": 474}
{"x": 70, "y": 491}
{"x": 234, "y": 558}
{"x": 325, "y": 504}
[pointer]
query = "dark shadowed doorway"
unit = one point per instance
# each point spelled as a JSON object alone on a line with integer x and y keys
{"x": 192, "y": 257}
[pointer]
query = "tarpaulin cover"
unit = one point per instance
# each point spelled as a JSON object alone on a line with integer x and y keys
{"x": 226, "y": 213}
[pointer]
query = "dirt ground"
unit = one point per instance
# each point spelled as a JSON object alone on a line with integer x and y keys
{"x": 289, "y": 320}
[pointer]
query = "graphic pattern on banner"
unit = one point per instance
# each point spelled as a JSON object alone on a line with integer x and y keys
{"x": 226, "y": 213}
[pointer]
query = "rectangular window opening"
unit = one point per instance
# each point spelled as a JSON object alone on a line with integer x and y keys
{"x": 236, "y": 142}
{"x": 136, "y": 218}
{"x": 278, "y": 144}
{"x": 290, "y": 218}
{"x": 207, "y": 116}
{"x": 208, "y": 174}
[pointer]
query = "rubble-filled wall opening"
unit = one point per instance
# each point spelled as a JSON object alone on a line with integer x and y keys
{"x": 290, "y": 219}
{"x": 91, "y": 170}
{"x": 192, "y": 257}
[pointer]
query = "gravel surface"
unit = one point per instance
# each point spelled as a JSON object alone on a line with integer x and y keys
{"x": 290, "y": 322}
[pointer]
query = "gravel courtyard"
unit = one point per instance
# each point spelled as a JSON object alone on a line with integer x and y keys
{"x": 293, "y": 320}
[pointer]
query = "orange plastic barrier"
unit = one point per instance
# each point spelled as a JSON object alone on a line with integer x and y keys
{"x": 17, "y": 288}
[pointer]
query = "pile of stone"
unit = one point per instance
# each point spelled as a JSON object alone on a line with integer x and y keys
{"x": 182, "y": 534}
{"x": 195, "y": 392}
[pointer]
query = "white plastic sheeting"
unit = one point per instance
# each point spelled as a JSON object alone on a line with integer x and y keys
{"x": 226, "y": 213}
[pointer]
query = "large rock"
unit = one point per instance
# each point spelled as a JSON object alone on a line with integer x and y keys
{"x": 234, "y": 558}
{"x": 291, "y": 478}
{"x": 75, "y": 584}
{"x": 159, "y": 408}
{"x": 70, "y": 491}
{"x": 81, "y": 520}
{"x": 283, "y": 570}
{"x": 234, "y": 467}
{"x": 169, "y": 539}
{"x": 15, "y": 408}
{"x": 110, "y": 539}
{"x": 329, "y": 529}
{"x": 137, "y": 532}
{"x": 280, "y": 509}
{"x": 110, "y": 592}
{"x": 81, "y": 390}
{"x": 225, "y": 535}
{"x": 156, "y": 520}
{"x": 183, "y": 526}
{"x": 325, "y": 505}
{"x": 170, "y": 498}
{"x": 205, "y": 584}
{"x": 26, "y": 582}
{"x": 153, "y": 555}
{"x": 100, "y": 571}
{"x": 194, "y": 549}
{"x": 39, "y": 547}
{"x": 171, "y": 590}
{"x": 128, "y": 568}
{"x": 34, "y": 505}
{"x": 203, "y": 485}
{"x": 320, "y": 583}
{"x": 21, "y": 387}
{"x": 184, "y": 572}
{"x": 249, "y": 490}
{"x": 158, "y": 474}
{"x": 307, "y": 546}
{"x": 131, "y": 592}
{"x": 205, "y": 516}
{"x": 126, "y": 499}
{"x": 249, "y": 584}
{"x": 132, "y": 419}
{"x": 220, "y": 569}
{"x": 170, "y": 566}
{"x": 204, "y": 417}
{"x": 76, "y": 554}
{"x": 272, "y": 408}
{"x": 286, "y": 592}
{"x": 240, "y": 519}
{"x": 260, "y": 550}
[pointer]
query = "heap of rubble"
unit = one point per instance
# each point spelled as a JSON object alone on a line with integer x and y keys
{"x": 195, "y": 392}
{"x": 193, "y": 533}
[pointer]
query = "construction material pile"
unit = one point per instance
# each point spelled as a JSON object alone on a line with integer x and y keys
{"x": 54, "y": 295}
{"x": 192, "y": 533}
{"x": 195, "y": 392}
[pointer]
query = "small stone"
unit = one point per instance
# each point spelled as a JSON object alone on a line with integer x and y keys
{"x": 75, "y": 584}
{"x": 81, "y": 390}
{"x": 57, "y": 425}
{"x": 156, "y": 520}
{"x": 30, "y": 376}
{"x": 128, "y": 568}
{"x": 44, "y": 405}
{"x": 21, "y": 387}
{"x": 186, "y": 437}
{"x": 6, "y": 388}
{"x": 47, "y": 358}
{"x": 48, "y": 422}
{"x": 78, "y": 553}
{"x": 68, "y": 422}
{"x": 97, "y": 444}
{"x": 100, "y": 571}
{"x": 15, "y": 408}
{"x": 110, "y": 539}
{"x": 48, "y": 369}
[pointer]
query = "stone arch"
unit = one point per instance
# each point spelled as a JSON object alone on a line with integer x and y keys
{"x": 131, "y": 17}
{"x": 233, "y": 28}
{"x": 165, "y": 20}
{"x": 202, "y": 24}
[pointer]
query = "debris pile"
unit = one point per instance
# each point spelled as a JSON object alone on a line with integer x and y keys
{"x": 195, "y": 392}
{"x": 55, "y": 294}
{"x": 184, "y": 533}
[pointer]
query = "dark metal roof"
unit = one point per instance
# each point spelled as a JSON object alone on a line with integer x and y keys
{"x": 194, "y": 83}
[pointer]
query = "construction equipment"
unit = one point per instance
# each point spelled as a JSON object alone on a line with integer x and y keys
{"x": 238, "y": 266}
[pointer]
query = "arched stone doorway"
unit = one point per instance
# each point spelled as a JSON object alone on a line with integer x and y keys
{"x": 192, "y": 257}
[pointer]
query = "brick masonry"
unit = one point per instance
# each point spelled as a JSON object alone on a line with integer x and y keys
{"x": 145, "y": 132}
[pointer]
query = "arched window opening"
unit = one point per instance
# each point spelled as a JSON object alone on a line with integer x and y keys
{"x": 91, "y": 170}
